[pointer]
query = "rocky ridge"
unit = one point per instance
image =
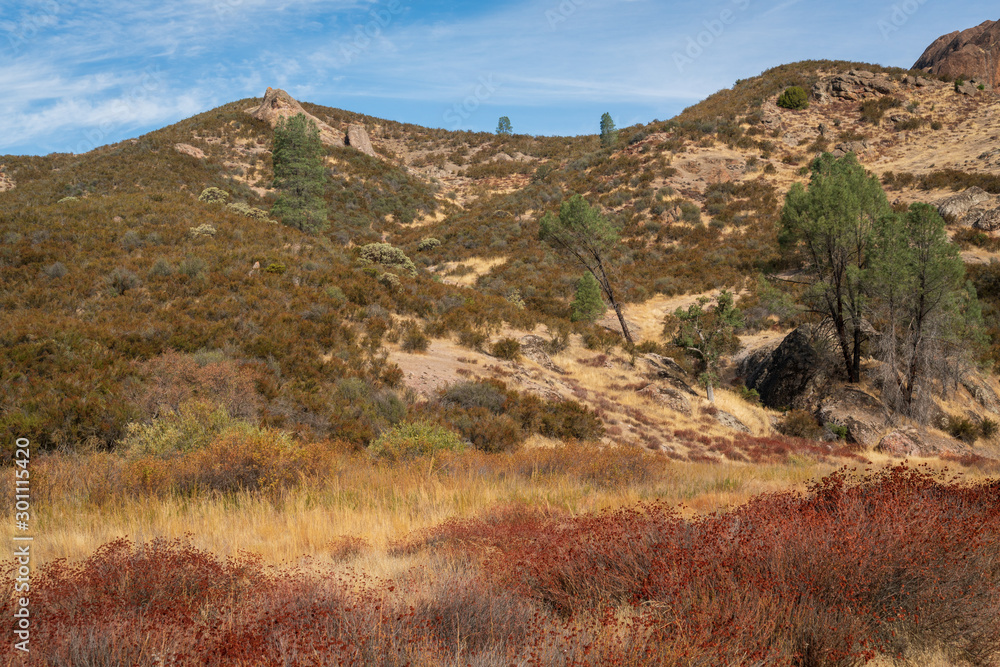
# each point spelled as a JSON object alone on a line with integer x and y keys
{"x": 971, "y": 53}
{"x": 278, "y": 104}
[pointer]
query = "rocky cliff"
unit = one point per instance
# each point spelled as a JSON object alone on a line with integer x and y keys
{"x": 972, "y": 53}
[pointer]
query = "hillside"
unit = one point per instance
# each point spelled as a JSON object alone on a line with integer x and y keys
{"x": 100, "y": 247}
{"x": 250, "y": 444}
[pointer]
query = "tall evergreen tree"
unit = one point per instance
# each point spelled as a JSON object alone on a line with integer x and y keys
{"x": 587, "y": 304}
{"x": 918, "y": 283}
{"x": 830, "y": 227}
{"x": 581, "y": 232}
{"x": 503, "y": 127}
{"x": 299, "y": 174}
{"x": 609, "y": 135}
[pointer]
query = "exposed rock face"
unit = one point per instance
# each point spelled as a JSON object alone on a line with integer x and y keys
{"x": 279, "y": 104}
{"x": 188, "y": 149}
{"x": 860, "y": 412}
{"x": 668, "y": 370}
{"x": 731, "y": 422}
{"x": 959, "y": 205}
{"x": 909, "y": 441}
{"x": 987, "y": 221}
{"x": 854, "y": 86}
{"x": 899, "y": 444}
{"x": 970, "y": 53}
{"x": 856, "y": 147}
{"x": 783, "y": 376}
{"x": 533, "y": 347}
{"x": 6, "y": 182}
{"x": 668, "y": 396}
{"x": 357, "y": 138}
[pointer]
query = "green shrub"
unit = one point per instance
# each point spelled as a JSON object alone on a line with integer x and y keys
{"x": 410, "y": 440}
{"x": 962, "y": 428}
{"x": 191, "y": 427}
{"x": 390, "y": 280}
{"x": 213, "y": 196}
{"x": 414, "y": 340}
{"x": 428, "y": 243}
{"x": 469, "y": 395}
{"x": 873, "y": 110}
{"x": 988, "y": 428}
{"x": 202, "y": 230}
{"x": 507, "y": 349}
{"x": 800, "y": 424}
{"x": 489, "y": 432}
{"x": 386, "y": 255}
{"x": 794, "y": 97}
{"x": 248, "y": 211}
{"x": 122, "y": 280}
{"x": 56, "y": 270}
{"x": 192, "y": 266}
{"x": 748, "y": 395}
{"x": 276, "y": 268}
{"x": 161, "y": 268}
{"x": 472, "y": 338}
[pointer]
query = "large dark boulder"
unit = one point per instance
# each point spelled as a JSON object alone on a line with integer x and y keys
{"x": 785, "y": 376}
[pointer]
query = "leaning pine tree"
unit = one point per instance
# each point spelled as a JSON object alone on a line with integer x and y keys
{"x": 583, "y": 234}
{"x": 299, "y": 174}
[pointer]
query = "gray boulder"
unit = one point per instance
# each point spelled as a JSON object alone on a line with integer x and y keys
{"x": 987, "y": 221}
{"x": 958, "y": 205}
{"x": 357, "y": 138}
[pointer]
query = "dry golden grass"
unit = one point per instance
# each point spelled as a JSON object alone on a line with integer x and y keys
{"x": 479, "y": 266}
{"x": 79, "y": 505}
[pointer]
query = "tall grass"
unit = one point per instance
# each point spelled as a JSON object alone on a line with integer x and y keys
{"x": 898, "y": 563}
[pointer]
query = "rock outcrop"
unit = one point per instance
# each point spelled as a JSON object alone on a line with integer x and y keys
{"x": 357, "y": 138}
{"x": 278, "y": 104}
{"x": 856, "y": 147}
{"x": 6, "y": 182}
{"x": 854, "y": 86}
{"x": 785, "y": 375}
{"x": 909, "y": 441}
{"x": 974, "y": 52}
{"x": 983, "y": 220}
{"x": 957, "y": 206}
{"x": 862, "y": 414}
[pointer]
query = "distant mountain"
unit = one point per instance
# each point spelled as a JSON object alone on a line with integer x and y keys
{"x": 972, "y": 53}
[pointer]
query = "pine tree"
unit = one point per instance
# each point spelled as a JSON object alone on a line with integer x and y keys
{"x": 581, "y": 232}
{"x": 588, "y": 304}
{"x": 503, "y": 127}
{"x": 299, "y": 174}
{"x": 609, "y": 135}
{"x": 830, "y": 226}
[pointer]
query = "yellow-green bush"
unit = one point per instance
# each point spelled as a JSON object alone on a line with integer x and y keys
{"x": 410, "y": 440}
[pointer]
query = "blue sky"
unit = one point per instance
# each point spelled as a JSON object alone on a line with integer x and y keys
{"x": 75, "y": 75}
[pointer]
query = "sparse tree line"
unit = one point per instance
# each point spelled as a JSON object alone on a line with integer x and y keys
{"x": 888, "y": 284}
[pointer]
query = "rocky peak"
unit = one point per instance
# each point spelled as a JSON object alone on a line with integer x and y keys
{"x": 279, "y": 104}
{"x": 971, "y": 53}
